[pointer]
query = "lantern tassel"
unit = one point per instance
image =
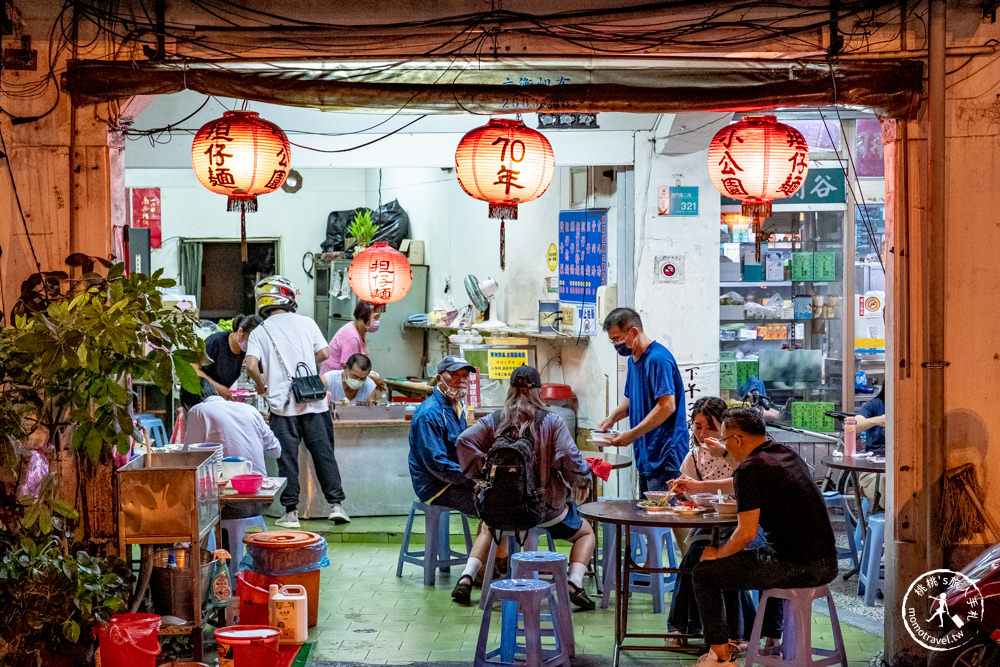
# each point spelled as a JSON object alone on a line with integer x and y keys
{"x": 503, "y": 211}
{"x": 757, "y": 210}
{"x": 244, "y": 204}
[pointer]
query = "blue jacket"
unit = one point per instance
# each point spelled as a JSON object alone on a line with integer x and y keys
{"x": 433, "y": 461}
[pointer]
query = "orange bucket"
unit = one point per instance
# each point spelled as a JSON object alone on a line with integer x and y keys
{"x": 247, "y": 645}
{"x": 251, "y": 588}
{"x": 130, "y": 640}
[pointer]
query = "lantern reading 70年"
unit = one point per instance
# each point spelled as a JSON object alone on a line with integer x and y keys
{"x": 505, "y": 163}
{"x": 380, "y": 274}
{"x": 756, "y": 161}
{"x": 241, "y": 155}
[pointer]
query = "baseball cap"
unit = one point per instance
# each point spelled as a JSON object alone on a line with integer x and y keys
{"x": 453, "y": 363}
{"x": 526, "y": 377}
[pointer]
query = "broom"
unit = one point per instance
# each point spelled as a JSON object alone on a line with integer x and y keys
{"x": 962, "y": 501}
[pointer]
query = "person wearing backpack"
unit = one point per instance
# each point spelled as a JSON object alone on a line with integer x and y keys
{"x": 526, "y": 464}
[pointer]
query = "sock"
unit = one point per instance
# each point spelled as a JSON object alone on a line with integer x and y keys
{"x": 576, "y": 572}
{"x": 472, "y": 568}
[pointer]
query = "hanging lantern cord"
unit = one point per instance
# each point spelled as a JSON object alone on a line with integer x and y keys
{"x": 503, "y": 246}
{"x": 757, "y": 211}
{"x": 243, "y": 204}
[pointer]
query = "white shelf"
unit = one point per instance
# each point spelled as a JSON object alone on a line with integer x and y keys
{"x": 775, "y": 283}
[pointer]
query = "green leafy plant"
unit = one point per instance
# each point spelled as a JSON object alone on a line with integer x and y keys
{"x": 226, "y": 325}
{"x": 362, "y": 228}
{"x": 52, "y": 597}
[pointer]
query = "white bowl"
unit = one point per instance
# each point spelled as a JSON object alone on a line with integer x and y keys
{"x": 703, "y": 499}
{"x": 725, "y": 508}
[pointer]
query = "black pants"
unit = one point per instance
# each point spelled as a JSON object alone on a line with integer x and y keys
{"x": 316, "y": 430}
{"x": 684, "y": 615}
{"x": 754, "y": 569}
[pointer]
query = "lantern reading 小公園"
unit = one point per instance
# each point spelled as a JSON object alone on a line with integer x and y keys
{"x": 505, "y": 163}
{"x": 380, "y": 274}
{"x": 241, "y": 155}
{"x": 756, "y": 161}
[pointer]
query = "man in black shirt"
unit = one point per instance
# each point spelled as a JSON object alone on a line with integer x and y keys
{"x": 775, "y": 492}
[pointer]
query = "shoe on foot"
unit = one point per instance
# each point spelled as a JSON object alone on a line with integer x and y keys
{"x": 738, "y": 648}
{"x": 338, "y": 515}
{"x": 579, "y": 597}
{"x": 290, "y": 520}
{"x": 462, "y": 593}
{"x": 711, "y": 659}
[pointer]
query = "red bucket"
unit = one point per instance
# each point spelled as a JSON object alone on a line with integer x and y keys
{"x": 247, "y": 645}
{"x": 130, "y": 640}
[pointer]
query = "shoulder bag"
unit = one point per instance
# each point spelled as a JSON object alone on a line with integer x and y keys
{"x": 307, "y": 386}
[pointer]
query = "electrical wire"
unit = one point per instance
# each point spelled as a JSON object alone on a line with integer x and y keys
{"x": 17, "y": 199}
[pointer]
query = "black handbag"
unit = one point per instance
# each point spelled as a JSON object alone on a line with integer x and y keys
{"x": 306, "y": 388}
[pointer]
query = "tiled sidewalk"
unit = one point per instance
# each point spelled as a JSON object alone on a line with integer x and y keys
{"x": 369, "y": 616}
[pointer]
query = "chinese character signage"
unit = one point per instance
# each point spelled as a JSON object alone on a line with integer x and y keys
{"x": 583, "y": 262}
{"x": 680, "y": 200}
{"x": 146, "y": 213}
{"x": 822, "y": 186}
{"x": 501, "y": 363}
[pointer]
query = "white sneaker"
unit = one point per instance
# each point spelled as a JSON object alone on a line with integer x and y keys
{"x": 338, "y": 515}
{"x": 290, "y": 520}
{"x": 711, "y": 659}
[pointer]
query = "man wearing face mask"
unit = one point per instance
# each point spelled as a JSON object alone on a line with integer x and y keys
{"x": 352, "y": 384}
{"x": 654, "y": 402}
{"x": 436, "y": 476}
{"x": 225, "y": 352}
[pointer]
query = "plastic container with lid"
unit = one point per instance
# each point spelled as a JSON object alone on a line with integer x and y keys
{"x": 285, "y": 551}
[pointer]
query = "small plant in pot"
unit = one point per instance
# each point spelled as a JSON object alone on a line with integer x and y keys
{"x": 362, "y": 229}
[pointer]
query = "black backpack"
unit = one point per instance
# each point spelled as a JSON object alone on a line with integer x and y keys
{"x": 508, "y": 496}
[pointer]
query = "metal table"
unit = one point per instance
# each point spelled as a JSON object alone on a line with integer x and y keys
{"x": 855, "y": 466}
{"x": 624, "y": 514}
{"x": 617, "y": 462}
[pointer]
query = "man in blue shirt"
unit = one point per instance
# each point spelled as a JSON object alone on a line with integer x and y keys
{"x": 654, "y": 402}
{"x": 434, "y": 471}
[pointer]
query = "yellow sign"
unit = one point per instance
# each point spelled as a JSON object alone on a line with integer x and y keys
{"x": 553, "y": 257}
{"x": 501, "y": 363}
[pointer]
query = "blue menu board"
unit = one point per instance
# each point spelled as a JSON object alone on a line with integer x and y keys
{"x": 583, "y": 254}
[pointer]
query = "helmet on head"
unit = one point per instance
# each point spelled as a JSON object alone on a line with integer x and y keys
{"x": 275, "y": 292}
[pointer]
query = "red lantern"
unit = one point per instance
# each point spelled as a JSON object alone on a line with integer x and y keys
{"x": 241, "y": 155}
{"x": 756, "y": 161}
{"x": 380, "y": 274}
{"x": 505, "y": 163}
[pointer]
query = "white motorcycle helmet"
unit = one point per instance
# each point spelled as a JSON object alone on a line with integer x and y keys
{"x": 275, "y": 292}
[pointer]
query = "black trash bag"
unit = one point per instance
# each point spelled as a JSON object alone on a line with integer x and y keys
{"x": 393, "y": 226}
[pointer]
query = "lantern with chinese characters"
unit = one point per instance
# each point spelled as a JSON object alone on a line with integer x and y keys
{"x": 380, "y": 274}
{"x": 756, "y": 161}
{"x": 505, "y": 163}
{"x": 241, "y": 155}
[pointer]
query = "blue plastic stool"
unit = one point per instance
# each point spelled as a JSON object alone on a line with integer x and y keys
{"x": 648, "y": 546}
{"x": 154, "y": 427}
{"x": 870, "y": 574}
{"x": 437, "y": 553}
{"x": 836, "y": 500}
{"x": 530, "y": 544}
{"x": 858, "y": 539}
{"x": 796, "y": 649}
{"x": 521, "y": 598}
{"x": 529, "y": 564}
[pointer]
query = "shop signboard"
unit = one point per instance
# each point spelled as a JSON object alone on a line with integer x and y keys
{"x": 146, "y": 213}
{"x": 679, "y": 200}
{"x": 583, "y": 262}
{"x": 822, "y": 186}
{"x": 501, "y": 363}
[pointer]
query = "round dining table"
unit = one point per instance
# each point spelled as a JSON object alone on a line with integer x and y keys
{"x": 624, "y": 514}
{"x": 854, "y": 466}
{"x": 617, "y": 462}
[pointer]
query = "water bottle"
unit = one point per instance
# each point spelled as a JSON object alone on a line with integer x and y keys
{"x": 850, "y": 437}
{"x": 861, "y": 381}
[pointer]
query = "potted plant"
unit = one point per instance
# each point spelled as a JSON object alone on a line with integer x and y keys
{"x": 362, "y": 229}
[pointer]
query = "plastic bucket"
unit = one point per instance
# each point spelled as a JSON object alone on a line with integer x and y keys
{"x": 130, "y": 640}
{"x": 247, "y": 645}
{"x": 251, "y": 588}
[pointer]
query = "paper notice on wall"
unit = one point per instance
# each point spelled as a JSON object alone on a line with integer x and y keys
{"x": 502, "y": 363}
{"x": 701, "y": 379}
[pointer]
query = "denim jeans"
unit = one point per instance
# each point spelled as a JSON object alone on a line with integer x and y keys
{"x": 316, "y": 430}
{"x": 753, "y": 569}
{"x": 658, "y": 481}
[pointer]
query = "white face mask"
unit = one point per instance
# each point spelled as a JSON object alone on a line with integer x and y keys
{"x": 353, "y": 383}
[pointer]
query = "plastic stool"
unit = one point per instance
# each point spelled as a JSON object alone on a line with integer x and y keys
{"x": 235, "y": 530}
{"x": 437, "y": 553}
{"x": 870, "y": 573}
{"x": 530, "y": 544}
{"x": 796, "y": 649}
{"x": 521, "y": 597}
{"x": 648, "y": 545}
{"x": 154, "y": 427}
{"x": 834, "y": 500}
{"x": 529, "y": 564}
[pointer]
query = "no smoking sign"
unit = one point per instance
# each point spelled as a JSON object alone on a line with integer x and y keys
{"x": 669, "y": 269}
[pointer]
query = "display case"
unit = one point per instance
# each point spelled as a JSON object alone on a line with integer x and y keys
{"x": 781, "y": 315}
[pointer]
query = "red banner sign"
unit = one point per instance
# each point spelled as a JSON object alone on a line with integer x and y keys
{"x": 146, "y": 212}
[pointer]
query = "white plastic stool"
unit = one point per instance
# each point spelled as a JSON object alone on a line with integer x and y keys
{"x": 796, "y": 649}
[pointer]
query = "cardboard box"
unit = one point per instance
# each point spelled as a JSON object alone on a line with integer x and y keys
{"x": 731, "y": 313}
{"x": 825, "y": 266}
{"x": 414, "y": 250}
{"x": 803, "y": 308}
{"x": 802, "y": 266}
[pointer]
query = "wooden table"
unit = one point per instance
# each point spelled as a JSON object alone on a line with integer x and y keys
{"x": 231, "y": 496}
{"x": 624, "y": 514}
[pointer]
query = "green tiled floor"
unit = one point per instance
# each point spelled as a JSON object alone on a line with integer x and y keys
{"x": 369, "y": 616}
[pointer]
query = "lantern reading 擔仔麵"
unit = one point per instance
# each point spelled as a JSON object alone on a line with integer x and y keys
{"x": 756, "y": 161}
{"x": 380, "y": 274}
{"x": 505, "y": 163}
{"x": 241, "y": 156}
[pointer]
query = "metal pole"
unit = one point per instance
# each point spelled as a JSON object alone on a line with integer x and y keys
{"x": 933, "y": 278}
